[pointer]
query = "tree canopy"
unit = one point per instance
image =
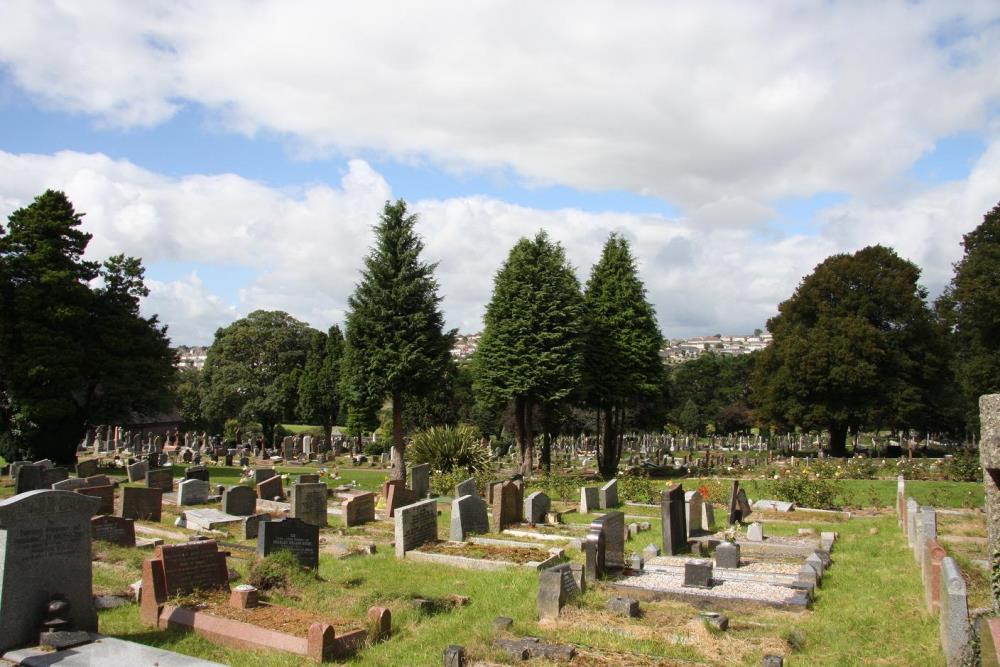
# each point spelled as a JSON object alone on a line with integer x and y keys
{"x": 395, "y": 339}
{"x": 856, "y": 345}
{"x": 71, "y": 353}
{"x": 253, "y": 369}
{"x": 531, "y": 350}
{"x": 714, "y": 389}
{"x": 319, "y": 391}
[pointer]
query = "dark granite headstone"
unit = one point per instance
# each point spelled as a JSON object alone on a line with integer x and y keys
{"x": 160, "y": 478}
{"x": 612, "y": 525}
{"x": 294, "y": 535}
{"x": 29, "y": 478}
{"x": 113, "y": 529}
{"x": 698, "y": 574}
{"x": 197, "y": 472}
{"x": 106, "y": 494}
{"x": 239, "y": 501}
{"x": 270, "y": 489}
{"x": 672, "y": 512}
{"x": 141, "y": 503}
{"x": 86, "y": 468}
{"x": 593, "y": 547}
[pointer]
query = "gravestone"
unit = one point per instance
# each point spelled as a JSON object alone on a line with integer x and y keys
{"x": 137, "y": 471}
{"x": 160, "y": 478}
{"x": 209, "y": 518}
{"x": 251, "y": 525}
{"x": 505, "y": 506}
{"x": 954, "y": 617}
{"x": 397, "y": 495}
{"x": 468, "y": 515}
{"x": 309, "y": 503}
{"x": 261, "y": 474}
{"x": 707, "y": 517}
{"x": 358, "y": 509}
{"x": 612, "y": 525}
{"x": 466, "y": 488}
{"x": 239, "y": 501}
{"x": 556, "y": 585}
{"x": 309, "y": 478}
{"x": 54, "y": 475}
{"x": 420, "y": 479}
{"x": 99, "y": 480}
{"x": 727, "y": 555}
{"x": 607, "y": 495}
{"x": 28, "y": 478}
{"x": 593, "y": 549}
{"x": 744, "y": 504}
{"x": 294, "y": 535}
{"x": 755, "y": 533}
{"x": 192, "y": 492}
{"x": 178, "y": 569}
{"x": 86, "y": 468}
{"x": 698, "y": 574}
{"x": 588, "y": 500}
{"x": 693, "y": 511}
{"x": 734, "y": 506}
{"x": 71, "y": 484}
{"x": 106, "y": 494}
{"x": 415, "y": 525}
{"x": 989, "y": 458}
{"x": 270, "y": 489}
{"x": 113, "y": 529}
{"x": 536, "y": 506}
{"x": 197, "y": 472}
{"x": 45, "y": 551}
{"x": 140, "y": 503}
{"x": 673, "y": 520}
{"x": 912, "y": 508}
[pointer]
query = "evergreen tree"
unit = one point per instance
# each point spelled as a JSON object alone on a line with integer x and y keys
{"x": 319, "y": 393}
{"x": 622, "y": 351}
{"x": 395, "y": 343}
{"x": 855, "y": 346}
{"x": 531, "y": 349}
{"x": 970, "y": 306}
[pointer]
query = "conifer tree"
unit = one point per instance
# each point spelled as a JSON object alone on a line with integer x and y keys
{"x": 530, "y": 353}
{"x": 395, "y": 342}
{"x": 319, "y": 395}
{"x": 622, "y": 352}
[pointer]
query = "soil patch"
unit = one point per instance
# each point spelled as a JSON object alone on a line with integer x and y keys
{"x": 288, "y": 620}
{"x": 519, "y": 555}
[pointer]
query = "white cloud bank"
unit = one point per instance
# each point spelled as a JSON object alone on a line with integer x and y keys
{"x": 308, "y": 244}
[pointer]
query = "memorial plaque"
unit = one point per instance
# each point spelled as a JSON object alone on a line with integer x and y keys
{"x": 197, "y": 472}
{"x": 140, "y": 503}
{"x": 415, "y": 525}
{"x": 309, "y": 503}
{"x": 239, "y": 501}
{"x": 44, "y": 551}
{"x": 160, "y": 478}
{"x": 294, "y": 535}
{"x": 358, "y": 509}
{"x": 106, "y": 494}
{"x": 270, "y": 489}
{"x": 113, "y": 529}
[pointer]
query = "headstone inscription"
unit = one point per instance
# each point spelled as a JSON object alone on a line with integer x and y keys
{"x": 468, "y": 515}
{"x": 294, "y": 535}
{"x": 44, "y": 551}
{"x": 309, "y": 503}
{"x": 415, "y": 525}
{"x": 140, "y": 503}
{"x": 239, "y": 501}
{"x": 177, "y": 569}
{"x": 113, "y": 529}
{"x": 673, "y": 520}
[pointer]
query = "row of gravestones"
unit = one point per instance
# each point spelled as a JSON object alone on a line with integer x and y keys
{"x": 945, "y": 590}
{"x": 602, "y": 498}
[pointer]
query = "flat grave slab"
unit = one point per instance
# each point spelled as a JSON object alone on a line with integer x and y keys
{"x": 209, "y": 519}
{"x": 652, "y": 585}
{"x": 107, "y": 652}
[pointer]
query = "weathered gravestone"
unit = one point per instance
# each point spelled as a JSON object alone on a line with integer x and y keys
{"x": 86, "y": 468}
{"x": 294, "y": 535}
{"x": 505, "y": 508}
{"x": 178, "y": 569}
{"x": 71, "y": 484}
{"x": 536, "y": 506}
{"x": 192, "y": 492}
{"x": 99, "y": 480}
{"x": 113, "y": 529}
{"x": 588, "y": 499}
{"x": 358, "y": 508}
{"x": 673, "y": 520}
{"x": 755, "y": 533}
{"x": 693, "y": 510}
{"x": 954, "y": 618}
{"x": 106, "y": 494}
{"x": 28, "y": 478}
{"x": 727, "y": 555}
{"x": 612, "y": 525}
{"x": 397, "y": 495}
{"x": 308, "y": 478}
{"x": 160, "y": 478}
{"x": 270, "y": 489}
{"x": 556, "y": 585}
{"x": 261, "y": 474}
{"x": 251, "y": 525}
{"x": 466, "y": 488}
{"x": 468, "y": 515}
{"x": 137, "y": 471}
{"x": 197, "y": 472}
{"x": 989, "y": 458}
{"x": 140, "y": 503}
{"x": 593, "y": 548}
{"x": 415, "y": 525}
{"x": 239, "y": 501}
{"x": 734, "y": 505}
{"x": 420, "y": 479}
{"x": 309, "y": 503}
{"x": 698, "y": 574}
{"x": 44, "y": 552}
{"x": 607, "y": 495}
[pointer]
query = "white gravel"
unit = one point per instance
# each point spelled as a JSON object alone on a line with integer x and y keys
{"x": 772, "y": 567}
{"x": 733, "y": 590}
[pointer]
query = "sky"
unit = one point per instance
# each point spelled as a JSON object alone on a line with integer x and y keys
{"x": 244, "y": 150}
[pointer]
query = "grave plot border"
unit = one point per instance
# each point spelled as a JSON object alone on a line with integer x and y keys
{"x": 468, "y": 563}
{"x": 801, "y": 600}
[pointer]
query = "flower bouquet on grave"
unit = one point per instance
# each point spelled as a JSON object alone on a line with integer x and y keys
{"x": 732, "y": 533}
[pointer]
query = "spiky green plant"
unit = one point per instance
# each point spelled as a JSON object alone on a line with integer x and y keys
{"x": 446, "y": 447}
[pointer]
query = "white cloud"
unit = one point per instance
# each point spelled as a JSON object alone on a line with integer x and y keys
{"x": 307, "y": 245}
{"x": 706, "y": 104}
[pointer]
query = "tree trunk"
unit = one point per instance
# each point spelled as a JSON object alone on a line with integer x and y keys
{"x": 398, "y": 446}
{"x": 519, "y": 426}
{"x": 608, "y": 461}
{"x": 528, "y": 460}
{"x": 838, "y": 439}
{"x": 547, "y": 451}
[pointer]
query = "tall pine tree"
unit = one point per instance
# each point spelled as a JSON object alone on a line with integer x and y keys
{"x": 622, "y": 352}
{"x": 530, "y": 353}
{"x": 395, "y": 342}
{"x": 319, "y": 394}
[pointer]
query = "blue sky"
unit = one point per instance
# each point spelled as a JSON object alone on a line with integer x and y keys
{"x": 249, "y": 178}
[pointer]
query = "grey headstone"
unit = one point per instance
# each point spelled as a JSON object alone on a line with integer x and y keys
{"x": 588, "y": 500}
{"x": 261, "y": 474}
{"x": 420, "y": 479}
{"x": 607, "y": 495}
{"x": 71, "y": 484}
{"x": 693, "y": 502}
{"x": 251, "y": 525}
{"x": 197, "y": 472}
{"x": 707, "y": 517}
{"x": 651, "y": 551}
{"x": 627, "y": 607}
{"x": 454, "y": 656}
{"x": 698, "y": 574}
{"x": 192, "y": 492}
{"x": 309, "y": 503}
{"x": 416, "y": 524}
{"x": 137, "y": 471}
{"x": 536, "y": 506}
{"x": 727, "y": 554}
{"x": 954, "y": 614}
{"x": 755, "y": 533}
{"x": 612, "y": 525}
{"x": 468, "y": 515}
{"x": 466, "y": 488}
{"x": 239, "y": 501}
{"x": 29, "y": 478}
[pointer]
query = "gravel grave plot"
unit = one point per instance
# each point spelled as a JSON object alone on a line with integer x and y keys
{"x": 770, "y": 567}
{"x": 732, "y": 590}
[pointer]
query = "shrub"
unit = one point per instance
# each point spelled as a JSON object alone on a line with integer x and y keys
{"x": 377, "y": 448}
{"x": 964, "y": 467}
{"x": 443, "y": 483}
{"x": 637, "y": 488}
{"x": 805, "y": 492}
{"x": 559, "y": 487}
{"x": 272, "y": 571}
{"x": 446, "y": 447}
